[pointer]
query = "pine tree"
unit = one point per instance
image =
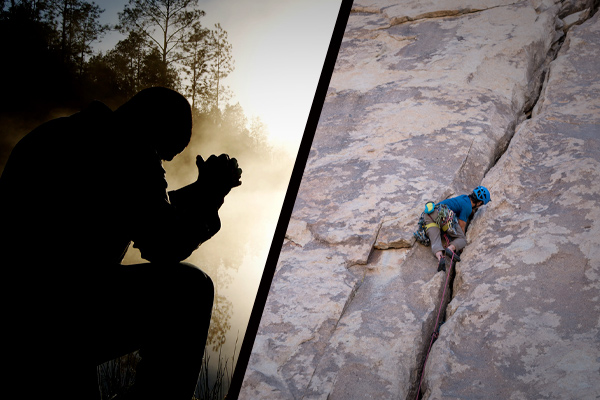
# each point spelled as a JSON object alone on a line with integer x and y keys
{"x": 222, "y": 63}
{"x": 165, "y": 24}
{"x": 77, "y": 26}
{"x": 195, "y": 66}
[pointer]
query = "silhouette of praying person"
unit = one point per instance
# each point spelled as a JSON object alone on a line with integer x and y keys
{"x": 75, "y": 192}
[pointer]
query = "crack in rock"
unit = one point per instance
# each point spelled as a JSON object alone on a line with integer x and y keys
{"x": 537, "y": 373}
{"x": 410, "y": 121}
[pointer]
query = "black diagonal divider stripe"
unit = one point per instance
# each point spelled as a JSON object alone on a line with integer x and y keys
{"x": 290, "y": 198}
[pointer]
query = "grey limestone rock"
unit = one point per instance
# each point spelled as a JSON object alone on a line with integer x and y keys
{"x": 424, "y": 99}
{"x": 526, "y": 315}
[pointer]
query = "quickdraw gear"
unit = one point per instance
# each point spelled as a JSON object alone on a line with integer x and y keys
{"x": 446, "y": 221}
{"x": 421, "y": 233}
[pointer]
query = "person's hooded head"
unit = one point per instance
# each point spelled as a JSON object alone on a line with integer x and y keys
{"x": 161, "y": 117}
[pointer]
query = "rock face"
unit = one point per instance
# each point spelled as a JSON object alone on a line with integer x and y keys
{"x": 424, "y": 99}
{"x": 527, "y": 303}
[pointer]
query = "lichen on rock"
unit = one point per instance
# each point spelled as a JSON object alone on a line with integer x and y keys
{"x": 423, "y": 104}
{"x": 538, "y": 321}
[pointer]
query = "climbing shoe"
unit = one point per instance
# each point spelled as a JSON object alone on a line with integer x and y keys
{"x": 452, "y": 255}
{"x": 442, "y": 265}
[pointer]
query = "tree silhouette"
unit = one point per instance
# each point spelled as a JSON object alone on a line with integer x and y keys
{"x": 195, "y": 65}
{"x": 127, "y": 60}
{"x": 222, "y": 63}
{"x": 40, "y": 36}
{"x": 88, "y": 31}
{"x": 165, "y": 23}
{"x": 77, "y": 25}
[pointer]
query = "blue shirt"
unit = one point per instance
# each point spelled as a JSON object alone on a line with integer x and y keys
{"x": 461, "y": 205}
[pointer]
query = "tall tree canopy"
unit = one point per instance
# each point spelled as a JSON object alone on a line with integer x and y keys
{"x": 77, "y": 26}
{"x": 165, "y": 23}
{"x": 55, "y": 34}
{"x": 195, "y": 65}
{"x": 222, "y": 63}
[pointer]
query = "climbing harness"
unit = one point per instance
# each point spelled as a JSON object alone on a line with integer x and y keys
{"x": 438, "y": 324}
{"x": 446, "y": 221}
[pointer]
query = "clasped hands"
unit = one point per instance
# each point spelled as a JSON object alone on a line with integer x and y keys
{"x": 218, "y": 174}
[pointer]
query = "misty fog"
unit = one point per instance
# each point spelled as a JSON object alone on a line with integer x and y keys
{"x": 235, "y": 257}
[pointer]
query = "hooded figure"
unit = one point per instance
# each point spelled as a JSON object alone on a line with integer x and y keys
{"x": 75, "y": 193}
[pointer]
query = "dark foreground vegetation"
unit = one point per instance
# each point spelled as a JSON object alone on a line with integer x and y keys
{"x": 116, "y": 376}
{"x": 49, "y": 58}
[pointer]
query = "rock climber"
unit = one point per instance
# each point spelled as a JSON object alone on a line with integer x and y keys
{"x": 75, "y": 192}
{"x": 449, "y": 218}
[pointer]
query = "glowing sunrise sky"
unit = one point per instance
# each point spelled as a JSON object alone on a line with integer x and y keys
{"x": 278, "y": 46}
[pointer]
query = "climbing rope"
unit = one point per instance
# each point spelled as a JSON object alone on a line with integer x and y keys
{"x": 435, "y": 333}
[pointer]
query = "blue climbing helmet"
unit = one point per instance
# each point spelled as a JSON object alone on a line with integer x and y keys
{"x": 482, "y": 194}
